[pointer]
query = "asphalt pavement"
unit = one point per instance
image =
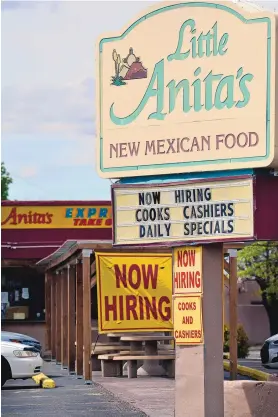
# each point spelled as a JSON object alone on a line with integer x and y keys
{"x": 256, "y": 364}
{"x": 70, "y": 398}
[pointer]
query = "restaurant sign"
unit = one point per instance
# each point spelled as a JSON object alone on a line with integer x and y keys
{"x": 203, "y": 211}
{"x": 195, "y": 94}
{"x": 56, "y": 217}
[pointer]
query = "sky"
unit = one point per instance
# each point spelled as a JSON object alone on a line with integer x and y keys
{"x": 48, "y": 94}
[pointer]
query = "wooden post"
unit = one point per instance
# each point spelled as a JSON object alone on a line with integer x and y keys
{"x": 53, "y": 316}
{"x": 47, "y": 287}
{"x": 87, "y": 338}
{"x": 71, "y": 319}
{"x": 199, "y": 384}
{"x": 233, "y": 313}
{"x": 64, "y": 305}
{"x": 58, "y": 318}
{"x": 79, "y": 320}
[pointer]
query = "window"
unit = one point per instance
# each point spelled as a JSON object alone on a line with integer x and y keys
{"x": 22, "y": 294}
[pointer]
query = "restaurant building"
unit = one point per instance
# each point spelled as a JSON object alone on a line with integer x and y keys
{"x": 32, "y": 231}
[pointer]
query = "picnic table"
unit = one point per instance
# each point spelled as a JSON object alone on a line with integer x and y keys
{"x": 115, "y": 337}
{"x": 150, "y": 348}
{"x": 151, "y": 342}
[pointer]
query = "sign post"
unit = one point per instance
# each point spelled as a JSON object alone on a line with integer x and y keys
{"x": 233, "y": 312}
{"x": 199, "y": 344}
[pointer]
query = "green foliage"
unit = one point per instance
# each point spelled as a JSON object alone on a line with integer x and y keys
{"x": 242, "y": 341}
{"x": 226, "y": 338}
{"x": 260, "y": 261}
{"x": 6, "y": 180}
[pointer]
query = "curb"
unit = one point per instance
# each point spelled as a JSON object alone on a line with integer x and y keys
{"x": 251, "y": 373}
{"x": 43, "y": 381}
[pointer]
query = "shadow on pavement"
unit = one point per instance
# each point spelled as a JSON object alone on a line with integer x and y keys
{"x": 19, "y": 387}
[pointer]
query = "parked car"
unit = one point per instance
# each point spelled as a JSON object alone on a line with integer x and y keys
{"x": 269, "y": 352}
{"x": 21, "y": 338}
{"x": 19, "y": 361}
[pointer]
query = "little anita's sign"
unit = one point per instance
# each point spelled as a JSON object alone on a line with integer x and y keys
{"x": 188, "y": 86}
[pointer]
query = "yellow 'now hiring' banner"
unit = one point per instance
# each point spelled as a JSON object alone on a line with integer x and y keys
{"x": 134, "y": 292}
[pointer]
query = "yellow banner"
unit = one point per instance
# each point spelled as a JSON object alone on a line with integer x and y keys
{"x": 188, "y": 321}
{"x": 185, "y": 212}
{"x": 187, "y": 270}
{"x": 56, "y": 217}
{"x": 134, "y": 292}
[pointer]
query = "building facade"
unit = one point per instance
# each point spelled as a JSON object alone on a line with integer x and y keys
{"x": 31, "y": 231}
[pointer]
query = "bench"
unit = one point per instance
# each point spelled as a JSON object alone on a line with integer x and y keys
{"x": 110, "y": 368}
{"x": 116, "y": 337}
{"x": 109, "y": 348}
{"x": 108, "y": 356}
{"x": 111, "y": 365}
{"x": 106, "y": 344}
{"x": 166, "y": 347}
{"x": 167, "y": 361}
{"x": 96, "y": 364}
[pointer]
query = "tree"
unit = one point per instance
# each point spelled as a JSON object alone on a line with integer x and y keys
{"x": 260, "y": 262}
{"x": 6, "y": 181}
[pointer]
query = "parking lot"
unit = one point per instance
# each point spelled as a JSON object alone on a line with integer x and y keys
{"x": 256, "y": 364}
{"x": 70, "y": 398}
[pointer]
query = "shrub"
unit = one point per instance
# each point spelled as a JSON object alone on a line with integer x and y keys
{"x": 226, "y": 338}
{"x": 242, "y": 341}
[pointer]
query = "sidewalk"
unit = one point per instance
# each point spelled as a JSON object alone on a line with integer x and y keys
{"x": 154, "y": 396}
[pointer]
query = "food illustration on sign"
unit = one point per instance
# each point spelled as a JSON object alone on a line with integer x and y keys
{"x": 129, "y": 68}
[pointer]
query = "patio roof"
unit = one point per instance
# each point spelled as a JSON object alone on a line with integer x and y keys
{"x": 73, "y": 247}
{"x": 69, "y": 248}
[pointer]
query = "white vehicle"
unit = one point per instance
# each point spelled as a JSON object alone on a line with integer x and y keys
{"x": 19, "y": 361}
{"x": 269, "y": 352}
